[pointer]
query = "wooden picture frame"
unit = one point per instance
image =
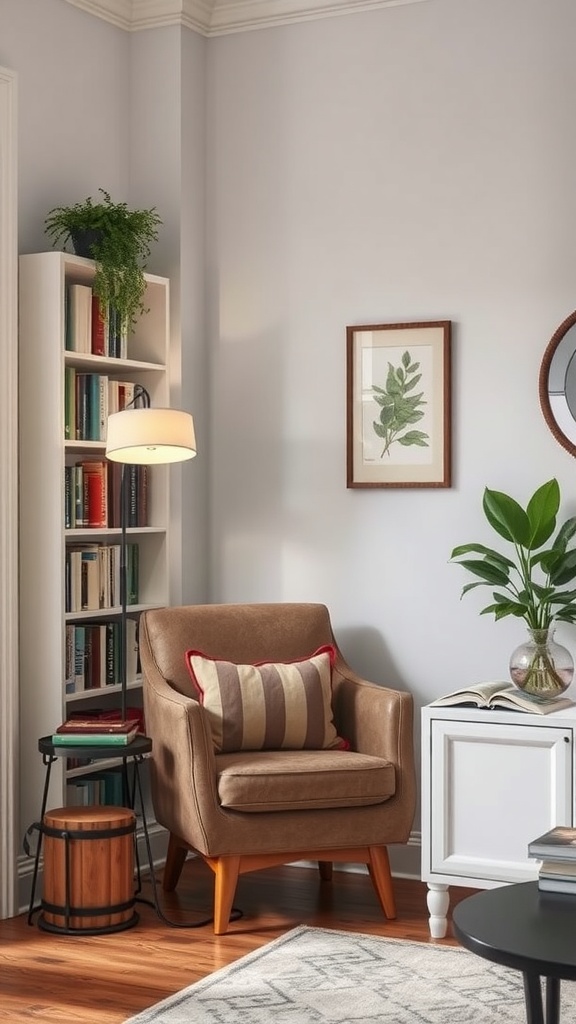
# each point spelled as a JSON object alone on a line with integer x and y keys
{"x": 398, "y": 407}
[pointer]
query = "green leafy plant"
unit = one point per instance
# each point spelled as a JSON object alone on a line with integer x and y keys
{"x": 399, "y": 408}
{"x": 531, "y": 584}
{"x": 118, "y": 240}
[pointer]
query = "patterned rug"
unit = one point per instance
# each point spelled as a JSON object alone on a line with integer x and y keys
{"x": 320, "y": 976}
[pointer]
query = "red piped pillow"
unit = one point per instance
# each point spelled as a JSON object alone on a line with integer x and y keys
{"x": 268, "y": 706}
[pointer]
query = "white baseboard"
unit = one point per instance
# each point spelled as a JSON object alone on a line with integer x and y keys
{"x": 404, "y": 860}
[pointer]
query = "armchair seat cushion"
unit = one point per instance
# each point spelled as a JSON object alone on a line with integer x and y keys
{"x": 295, "y": 780}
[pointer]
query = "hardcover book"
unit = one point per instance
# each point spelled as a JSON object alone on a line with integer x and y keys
{"x": 557, "y": 885}
{"x": 501, "y": 695}
{"x": 79, "y": 318}
{"x": 99, "y": 328}
{"x": 559, "y": 843}
{"x": 563, "y": 870}
{"x": 87, "y": 739}
{"x": 96, "y": 725}
{"x": 94, "y": 492}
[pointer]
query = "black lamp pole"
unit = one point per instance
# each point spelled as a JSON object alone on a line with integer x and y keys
{"x": 141, "y": 400}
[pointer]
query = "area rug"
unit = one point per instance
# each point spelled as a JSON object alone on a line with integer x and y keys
{"x": 320, "y": 976}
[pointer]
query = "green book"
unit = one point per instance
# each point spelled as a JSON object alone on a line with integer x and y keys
{"x": 92, "y": 739}
{"x": 70, "y": 403}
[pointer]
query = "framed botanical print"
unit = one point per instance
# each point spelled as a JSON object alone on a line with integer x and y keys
{"x": 398, "y": 405}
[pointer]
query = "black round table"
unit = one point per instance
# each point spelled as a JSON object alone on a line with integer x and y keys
{"x": 520, "y": 927}
{"x": 139, "y": 746}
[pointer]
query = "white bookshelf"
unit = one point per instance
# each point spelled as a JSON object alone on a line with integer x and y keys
{"x": 44, "y": 453}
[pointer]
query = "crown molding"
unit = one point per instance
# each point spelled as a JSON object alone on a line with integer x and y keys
{"x": 117, "y": 12}
{"x": 239, "y": 15}
{"x": 220, "y": 17}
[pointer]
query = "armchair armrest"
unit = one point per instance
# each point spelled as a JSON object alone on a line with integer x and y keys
{"x": 183, "y": 769}
{"x": 378, "y": 720}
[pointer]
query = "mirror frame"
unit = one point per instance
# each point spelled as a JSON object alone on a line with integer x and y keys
{"x": 543, "y": 384}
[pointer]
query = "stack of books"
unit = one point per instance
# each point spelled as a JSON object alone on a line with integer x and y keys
{"x": 557, "y": 851}
{"x": 90, "y": 732}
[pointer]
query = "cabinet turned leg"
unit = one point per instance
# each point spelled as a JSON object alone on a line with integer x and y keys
{"x": 438, "y": 902}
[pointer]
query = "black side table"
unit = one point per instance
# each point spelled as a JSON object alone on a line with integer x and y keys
{"x": 133, "y": 752}
{"x": 520, "y": 927}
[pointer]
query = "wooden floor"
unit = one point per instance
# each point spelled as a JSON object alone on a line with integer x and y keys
{"x": 107, "y": 978}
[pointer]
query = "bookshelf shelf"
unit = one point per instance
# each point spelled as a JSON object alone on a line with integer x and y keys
{"x": 114, "y": 367}
{"x": 95, "y": 696}
{"x": 99, "y": 613}
{"x": 48, "y": 547}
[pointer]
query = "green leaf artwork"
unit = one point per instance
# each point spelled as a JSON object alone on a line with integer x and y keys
{"x": 399, "y": 408}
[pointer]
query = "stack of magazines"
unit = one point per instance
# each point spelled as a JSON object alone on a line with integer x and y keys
{"x": 557, "y": 851}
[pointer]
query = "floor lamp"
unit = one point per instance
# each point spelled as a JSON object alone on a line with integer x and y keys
{"x": 142, "y": 436}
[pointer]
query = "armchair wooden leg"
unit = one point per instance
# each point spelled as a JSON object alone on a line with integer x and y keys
{"x": 325, "y": 868}
{"x": 175, "y": 857}
{"x": 226, "y": 870}
{"x": 379, "y": 869}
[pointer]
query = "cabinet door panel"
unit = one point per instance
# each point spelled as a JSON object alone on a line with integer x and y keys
{"x": 493, "y": 789}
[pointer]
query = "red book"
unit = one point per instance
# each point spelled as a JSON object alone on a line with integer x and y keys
{"x": 98, "y": 721}
{"x": 95, "y": 484}
{"x": 88, "y": 725}
{"x": 114, "y": 487}
{"x": 133, "y": 715}
{"x": 99, "y": 328}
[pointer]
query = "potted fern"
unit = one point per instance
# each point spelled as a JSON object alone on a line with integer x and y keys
{"x": 531, "y": 584}
{"x": 118, "y": 240}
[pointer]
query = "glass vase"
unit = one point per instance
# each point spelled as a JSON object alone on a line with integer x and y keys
{"x": 540, "y": 667}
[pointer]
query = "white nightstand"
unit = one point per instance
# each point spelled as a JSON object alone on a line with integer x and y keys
{"x": 491, "y": 781}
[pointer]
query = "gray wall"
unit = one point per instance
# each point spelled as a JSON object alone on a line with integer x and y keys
{"x": 401, "y": 164}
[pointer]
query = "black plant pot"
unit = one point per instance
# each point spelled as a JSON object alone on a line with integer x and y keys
{"x": 84, "y": 240}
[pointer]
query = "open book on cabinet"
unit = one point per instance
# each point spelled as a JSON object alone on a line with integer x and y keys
{"x": 69, "y": 519}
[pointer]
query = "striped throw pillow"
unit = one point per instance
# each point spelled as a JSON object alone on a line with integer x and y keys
{"x": 269, "y": 706}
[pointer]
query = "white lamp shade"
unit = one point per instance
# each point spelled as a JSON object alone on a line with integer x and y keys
{"x": 147, "y": 436}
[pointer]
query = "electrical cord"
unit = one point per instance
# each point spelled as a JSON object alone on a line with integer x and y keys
{"x": 235, "y": 914}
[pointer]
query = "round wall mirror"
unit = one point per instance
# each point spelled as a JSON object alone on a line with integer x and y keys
{"x": 557, "y": 385}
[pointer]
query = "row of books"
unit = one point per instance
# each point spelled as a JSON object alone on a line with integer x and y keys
{"x": 92, "y": 490}
{"x": 556, "y": 849}
{"x": 89, "y": 398}
{"x": 92, "y": 576}
{"x": 100, "y": 788}
{"x": 90, "y": 328}
{"x": 93, "y": 654}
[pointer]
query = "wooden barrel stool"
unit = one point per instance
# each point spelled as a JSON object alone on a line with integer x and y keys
{"x": 88, "y": 870}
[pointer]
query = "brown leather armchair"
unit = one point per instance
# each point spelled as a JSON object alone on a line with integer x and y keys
{"x": 246, "y": 810}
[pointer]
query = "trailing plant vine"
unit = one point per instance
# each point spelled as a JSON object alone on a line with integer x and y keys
{"x": 118, "y": 240}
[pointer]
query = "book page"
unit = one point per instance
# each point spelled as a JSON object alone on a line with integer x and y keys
{"x": 478, "y": 694}
{"x": 518, "y": 701}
